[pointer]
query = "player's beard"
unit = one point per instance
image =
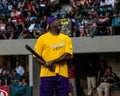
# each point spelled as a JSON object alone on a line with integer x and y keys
{"x": 58, "y": 28}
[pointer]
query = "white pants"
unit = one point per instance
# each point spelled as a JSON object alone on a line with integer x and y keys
{"x": 73, "y": 85}
{"x": 104, "y": 87}
{"x": 91, "y": 83}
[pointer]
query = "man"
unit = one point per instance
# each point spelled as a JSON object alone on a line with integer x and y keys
{"x": 91, "y": 78}
{"x": 72, "y": 78}
{"x": 19, "y": 69}
{"x": 116, "y": 23}
{"x": 15, "y": 77}
{"x": 55, "y": 48}
{"x": 4, "y": 78}
{"x": 106, "y": 82}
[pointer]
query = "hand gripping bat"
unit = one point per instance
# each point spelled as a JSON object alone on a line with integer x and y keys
{"x": 38, "y": 56}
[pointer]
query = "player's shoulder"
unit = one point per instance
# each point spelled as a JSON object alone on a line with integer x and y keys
{"x": 43, "y": 35}
{"x": 64, "y": 35}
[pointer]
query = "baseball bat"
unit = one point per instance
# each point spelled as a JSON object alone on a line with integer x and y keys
{"x": 38, "y": 56}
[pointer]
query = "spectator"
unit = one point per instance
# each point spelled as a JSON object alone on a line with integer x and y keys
{"x": 25, "y": 34}
{"x": 25, "y": 78}
{"x": 10, "y": 29}
{"x": 2, "y": 26}
{"x": 2, "y": 36}
{"x": 91, "y": 78}
{"x": 21, "y": 4}
{"x": 101, "y": 70}
{"x": 19, "y": 84}
{"x": 47, "y": 8}
{"x": 23, "y": 81}
{"x": 107, "y": 81}
{"x": 96, "y": 13}
{"x": 102, "y": 23}
{"x": 102, "y": 3}
{"x": 4, "y": 17}
{"x": 67, "y": 26}
{"x": 39, "y": 28}
{"x": 23, "y": 12}
{"x": 19, "y": 69}
{"x": 117, "y": 5}
{"x": 19, "y": 24}
{"x": 36, "y": 8}
{"x": 4, "y": 77}
{"x": 34, "y": 14}
{"x": 32, "y": 25}
{"x": 70, "y": 13}
{"x": 28, "y": 5}
{"x": 110, "y": 2}
{"x": 55, "y": 4}
{"x": 14, "y": 77}
{"x": 2, "y": 30}
{"x": 88, "y": 3}
{"x": 83, "y": 22}
{"x": 72, "y": 79}
{"x": 44, "y": 24}
{"x": 9, "y": 7}
{"x": 20, "y": 18}
{"x": 116, "y": 23}
{"x": 77, "y": 15}
{"x": 28, "y": 19}
{"x": 4, "y": 66}
{"x": 96, "y": 2}
{"x": 36, "y": 33}
{"x": 14, "y": 12}
{"x": 89, "y": 27}
{"x": 73, "y": 4}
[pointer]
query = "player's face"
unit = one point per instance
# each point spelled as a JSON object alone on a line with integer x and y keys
{"x": 56, "y": 24}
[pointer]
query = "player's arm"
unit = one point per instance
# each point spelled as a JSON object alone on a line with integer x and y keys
{"x": 63, "y": 58}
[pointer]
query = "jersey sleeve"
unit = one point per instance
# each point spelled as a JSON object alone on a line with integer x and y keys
{"x": 38, "y": 46}
{"x": 69, "y": 47}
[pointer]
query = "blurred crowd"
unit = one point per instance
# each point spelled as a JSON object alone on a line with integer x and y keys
{"x": 15, "y": 76}
{"x": 23, "y": 19}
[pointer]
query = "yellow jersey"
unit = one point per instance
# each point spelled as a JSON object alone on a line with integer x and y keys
{"x": 51, "y": 47}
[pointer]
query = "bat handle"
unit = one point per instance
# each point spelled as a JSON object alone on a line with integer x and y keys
{"x": 52, "y": 68}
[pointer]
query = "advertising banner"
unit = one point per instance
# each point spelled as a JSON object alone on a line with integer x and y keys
{"x": 4, "y": 91}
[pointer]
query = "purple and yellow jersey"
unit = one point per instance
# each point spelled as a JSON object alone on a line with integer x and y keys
{"x": 51, "y": 47}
